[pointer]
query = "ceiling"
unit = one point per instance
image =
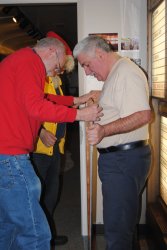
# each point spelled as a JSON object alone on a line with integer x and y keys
{"x": 34, "y": 21}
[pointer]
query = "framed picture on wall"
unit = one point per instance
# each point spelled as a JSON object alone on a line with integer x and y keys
{"x": 111, "y": 38}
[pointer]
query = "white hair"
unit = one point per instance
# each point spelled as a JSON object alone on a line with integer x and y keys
{"x": 50, "y": 42}
{"x": 89, "y": 44}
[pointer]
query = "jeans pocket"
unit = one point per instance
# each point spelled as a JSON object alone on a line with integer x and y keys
{"x": 6, "y": 176}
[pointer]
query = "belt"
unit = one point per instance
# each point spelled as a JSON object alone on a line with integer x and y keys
{"x": 125, "y": 146}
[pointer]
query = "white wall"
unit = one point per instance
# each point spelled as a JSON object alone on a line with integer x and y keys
{"x": 96, "y": 16}
{"x": 36, "y": 1}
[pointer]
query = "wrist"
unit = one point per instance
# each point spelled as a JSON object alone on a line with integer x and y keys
{"x": 104, "y": 131}
{"x": 75, "y": 100}
{"x": 41, "y": 129}
{"x": 78, "y": 117}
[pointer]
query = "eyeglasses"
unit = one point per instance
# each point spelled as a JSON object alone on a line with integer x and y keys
{"x": 58, "y": 69}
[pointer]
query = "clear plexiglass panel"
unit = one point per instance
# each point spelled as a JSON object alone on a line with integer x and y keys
{"x": 163, "y": 160}
{"x": 158, "y": 51}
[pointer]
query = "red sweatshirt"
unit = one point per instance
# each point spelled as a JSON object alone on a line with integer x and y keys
{"x": 22, "y": 104}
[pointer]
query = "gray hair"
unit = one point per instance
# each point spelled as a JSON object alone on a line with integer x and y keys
{"x": 50, "y": 42}
{"x": 89, "y": 44}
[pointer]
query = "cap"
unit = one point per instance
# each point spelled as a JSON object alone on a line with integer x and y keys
{"x": 69, "y": 65}
{"x": 55, "y": 35}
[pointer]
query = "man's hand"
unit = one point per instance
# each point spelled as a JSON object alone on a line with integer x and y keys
{"x": 47, "y": 138}
{"x": 90, "y": 113}
{"x": 95, "y": 133}
{"x": 92, "y": 95}
{"x": 95, "y": 95}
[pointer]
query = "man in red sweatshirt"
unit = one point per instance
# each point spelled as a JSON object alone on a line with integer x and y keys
{"x": 24, "y": 107}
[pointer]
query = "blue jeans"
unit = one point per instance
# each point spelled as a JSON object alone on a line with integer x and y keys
{"x": 23, "y": 225}
{"x": 123, "y": 175}
{"x": 48, "y": 170}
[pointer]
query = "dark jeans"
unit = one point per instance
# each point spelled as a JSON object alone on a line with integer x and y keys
{"x": 48, "y": 170}
{"x": 123, "y": 175}
{"x": 23, "y": 224}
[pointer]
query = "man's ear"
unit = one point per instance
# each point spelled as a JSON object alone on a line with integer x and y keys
{"x": 51, "y": 52}
{"x": 99, "y": 53}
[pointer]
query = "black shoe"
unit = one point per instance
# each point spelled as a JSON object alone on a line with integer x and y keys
{"x": 59, "y": 240}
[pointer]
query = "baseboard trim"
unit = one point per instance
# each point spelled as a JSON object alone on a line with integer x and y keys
{"x": 86, "y": 242}
{"x": 98, "y": 229}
